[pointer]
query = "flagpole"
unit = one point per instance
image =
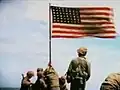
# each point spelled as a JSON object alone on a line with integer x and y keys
{"x": 49, "y": 34}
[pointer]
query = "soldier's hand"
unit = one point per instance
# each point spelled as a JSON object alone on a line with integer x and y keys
{"x": 85, "y": 74}
{"x": 31, "y": 83}
{"x": 68, "y": 79}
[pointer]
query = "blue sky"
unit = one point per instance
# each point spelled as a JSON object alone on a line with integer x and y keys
{"x": 24, "y": 42}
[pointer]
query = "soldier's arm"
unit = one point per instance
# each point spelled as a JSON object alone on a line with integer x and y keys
{"x": 25, "y": 82}
{"x": 69, "y": 68}
{"x": 43, "y": 83}
{"x": 88, "y": 71}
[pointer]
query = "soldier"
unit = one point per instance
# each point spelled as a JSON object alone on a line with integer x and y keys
{"x": 40, "y": 83}
{"x": 112, "y": 82}
{"x": 62, "y": 82}
{"x": 79, "y": 71}
{"x": 26, "y": 83}
{"x": 52, "y": 78}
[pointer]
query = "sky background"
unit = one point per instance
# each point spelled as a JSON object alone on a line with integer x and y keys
{"x": 24, "y": 42}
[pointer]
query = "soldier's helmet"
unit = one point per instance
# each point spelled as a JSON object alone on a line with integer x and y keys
{"x": 30, "y": 74}
{"x": 82, "y": 50}
{"x": 39, "y": 69}
{"x": 40, "y": 72}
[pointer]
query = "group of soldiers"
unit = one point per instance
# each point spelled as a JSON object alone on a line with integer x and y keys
{"x": 46, "y": 80}
{"x": 78, "y": 73}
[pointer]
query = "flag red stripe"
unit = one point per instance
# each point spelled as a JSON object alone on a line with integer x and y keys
{"x": 72, "y": 32}
{"x": 106, "y": 37}
{"x": 95, "y": 8}
{"x": 96, "y": 13}
{"x": 58, "y": 36}
{"x": 80, "y": 27}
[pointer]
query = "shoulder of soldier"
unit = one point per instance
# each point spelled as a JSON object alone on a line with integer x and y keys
{"x": 79, "y": 58}
{"x": 25, "y": 78}
{"x": 84, "y": 58}
{"x": 112, "y": 76}
{"x": 74, "y": 60}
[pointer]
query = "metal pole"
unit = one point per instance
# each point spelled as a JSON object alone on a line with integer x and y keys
{"x": 49, "y": 34}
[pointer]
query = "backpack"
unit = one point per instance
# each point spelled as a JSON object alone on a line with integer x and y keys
{"x": 79, "y": 73}
{"x": 82, "y": 67}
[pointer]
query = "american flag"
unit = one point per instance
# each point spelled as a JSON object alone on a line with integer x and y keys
{"x": 69, "y": 22}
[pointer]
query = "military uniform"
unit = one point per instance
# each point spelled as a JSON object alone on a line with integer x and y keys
{"x": 40, "y": 82}
{"x": 62, "y": 83}
{"x": 26, "y": 83}
{"x": 79, "y": 71}
{"x": 52, "y": 78}
{"x": 112, "y": 82}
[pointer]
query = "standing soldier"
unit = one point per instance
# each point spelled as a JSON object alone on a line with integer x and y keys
{"x": 26, "y": 83}
{"x": 79, "y": 71}
{"x": 40, "y": 82}
{"x": 112, "y": 82}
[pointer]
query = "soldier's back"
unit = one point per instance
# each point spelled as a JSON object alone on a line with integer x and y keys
{"x": 80, "y": 64}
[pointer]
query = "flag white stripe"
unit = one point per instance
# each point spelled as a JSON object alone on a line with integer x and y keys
{"x": 93, "y": 21}
{"x": 93, "y": 11}
{"x": 105, "y": 34}
{"x": 59, "y": 34}
{"x": 102, "y": 16}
